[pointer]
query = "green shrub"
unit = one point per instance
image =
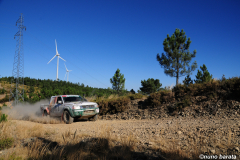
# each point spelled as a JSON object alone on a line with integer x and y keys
{"x": 135, "y": 96}
{"x": 132, "y": 91}
{"x": 210, "y": 96}
{"x": 179, "y": 106}
{"x": 120, "y": 104}
{"x": 155, "y": 99}
{"x": 186, "y": 102}
{"x": 5, "y": 99}
{"x": 103, "y": 105}
{"x": 6, "y": 143}
{"x": 3, "y": 118}
{"x": 2, "y": 91}
{"x": 13, "y": 156}
{"x": 113, "y": 105}
{"x": 150, "y": 86}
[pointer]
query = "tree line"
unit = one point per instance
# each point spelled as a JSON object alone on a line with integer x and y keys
{"x": 48, "y": 88}
{"x": 176, "y": 63}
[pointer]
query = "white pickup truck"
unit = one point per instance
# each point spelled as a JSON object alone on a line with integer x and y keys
{"x": 70, "y": 107}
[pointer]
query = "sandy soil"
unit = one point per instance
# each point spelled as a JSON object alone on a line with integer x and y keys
{"x": 218, "y": 136}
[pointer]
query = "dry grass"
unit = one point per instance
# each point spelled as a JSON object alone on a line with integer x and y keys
{"x": 111, "y": 97}
{"x": 5, "y": 131}
{"x": 94, "y": 98}
{"x": 107, "y": 145}
{"x": 6, "y": 85}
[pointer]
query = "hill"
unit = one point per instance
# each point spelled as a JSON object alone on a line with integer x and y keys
{"x": 37, "y": 89}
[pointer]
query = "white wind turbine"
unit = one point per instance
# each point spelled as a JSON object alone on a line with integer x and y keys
{"x": 58, "y": 56}
{"x": 67, "y": 72}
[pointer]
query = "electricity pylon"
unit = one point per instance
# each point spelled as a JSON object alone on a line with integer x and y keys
{"x": 17, "y": 82}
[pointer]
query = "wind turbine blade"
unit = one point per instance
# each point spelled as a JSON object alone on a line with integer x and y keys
{"x": 62, "y": 58}
{"x": 65, "y": 67}
{"x": 51, "y": 59}
{"x": 56, "y": 46}
{"x": 69, "y": 70}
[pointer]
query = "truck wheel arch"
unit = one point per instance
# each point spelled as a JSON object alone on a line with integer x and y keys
{"x": 67, "y": 117}
{"x": 69, "y": 111}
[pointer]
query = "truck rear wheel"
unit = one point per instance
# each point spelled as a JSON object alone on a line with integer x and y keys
{"x": 45, "y": 114}
{"x": 67, "y": 117}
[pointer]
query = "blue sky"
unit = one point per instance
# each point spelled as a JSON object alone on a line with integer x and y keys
{"x": 96, "y": 37}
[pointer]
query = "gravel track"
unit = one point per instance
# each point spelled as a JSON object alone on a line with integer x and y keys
{"x": 189, "y": 134}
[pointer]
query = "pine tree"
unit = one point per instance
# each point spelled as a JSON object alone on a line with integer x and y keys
{"x": 187, "y": 80}
{"x": 118, "y": 81}
{"x": 150, "y": 86}
{"x": 177, "y": 56}
{"x": 132, "y": 91}
{"x": 203, "y": 76}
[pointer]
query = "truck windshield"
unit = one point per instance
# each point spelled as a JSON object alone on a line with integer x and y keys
{"x": 72, "y": 99}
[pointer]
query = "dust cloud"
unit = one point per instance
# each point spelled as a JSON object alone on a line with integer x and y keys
{"x": 30, "y": 112}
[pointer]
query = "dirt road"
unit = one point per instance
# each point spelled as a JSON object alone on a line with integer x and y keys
{"x": 207, "y": 135}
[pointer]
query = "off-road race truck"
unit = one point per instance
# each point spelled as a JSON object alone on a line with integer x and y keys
{"x": 70, "y": 107}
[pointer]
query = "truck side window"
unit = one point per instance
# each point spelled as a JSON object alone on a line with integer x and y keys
{"x": 52, "y": 101}
{"x": 59, "y": 99}
{"x": 55, "y": 100}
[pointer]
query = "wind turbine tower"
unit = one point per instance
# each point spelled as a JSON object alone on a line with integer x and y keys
{"x": 58, "y": 56}
{"x": 67, "y": 72}
{"x": 17, "y": 81}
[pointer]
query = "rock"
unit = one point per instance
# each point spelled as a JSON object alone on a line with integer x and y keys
{"x": 179, "y": 132}
{"x": 26, "y": 141}
{"x": 169, "y": 122}
{"x": 237, "y": 149}
{"x": 212, "y": 151}
{"x": 151, "y": 143}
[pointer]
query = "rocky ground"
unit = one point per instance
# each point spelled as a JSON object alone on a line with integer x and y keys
{"x": 209, "y": 129}
{"x": 189, "y": 136}
{"x": 138, "y": 110}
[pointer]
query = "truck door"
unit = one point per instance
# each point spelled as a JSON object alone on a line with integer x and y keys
{"x": 52, "y": 106}
{"x": 59, "y": 106}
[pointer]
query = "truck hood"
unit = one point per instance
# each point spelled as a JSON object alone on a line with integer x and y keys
{"x": 81, "y": 103}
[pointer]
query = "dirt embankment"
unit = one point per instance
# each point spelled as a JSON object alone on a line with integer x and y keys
{"x": 139, "y": 110}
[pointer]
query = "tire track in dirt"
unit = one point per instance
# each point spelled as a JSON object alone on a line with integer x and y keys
{"x": 185, "y": 133}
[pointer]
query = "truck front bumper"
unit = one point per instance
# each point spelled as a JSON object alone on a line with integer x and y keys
{"x": 85, "y": 113}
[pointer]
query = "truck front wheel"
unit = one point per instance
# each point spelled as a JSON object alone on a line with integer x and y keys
{"x": 94, "y": 118}
{"x": 67, "y": 117}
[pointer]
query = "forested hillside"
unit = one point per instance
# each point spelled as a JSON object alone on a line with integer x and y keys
{"x": 37, "y": 89}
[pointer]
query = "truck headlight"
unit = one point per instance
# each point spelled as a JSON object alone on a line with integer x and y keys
{"x": 76, "y": 107}
{"x": 97, "y": 110}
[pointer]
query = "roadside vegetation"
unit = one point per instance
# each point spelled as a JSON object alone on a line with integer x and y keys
{"x": 184, "y": 94}
{"x": 181, "y": 95}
